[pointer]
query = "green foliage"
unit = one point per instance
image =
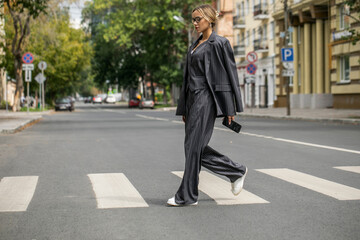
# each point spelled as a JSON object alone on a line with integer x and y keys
{"x": 138, "y": 38}
{"x": 3, "y": 104}
{"x": 354, "y": 6}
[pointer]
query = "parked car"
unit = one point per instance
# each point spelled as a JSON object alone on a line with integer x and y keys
{"x": 97, "y": 99}
{"x": 134, "y": 102}
{"x": 110, "y": 99}
{"x": 64, "y": 104}
{"x": 88, "y": 99}
{"x": 146, "y": 103}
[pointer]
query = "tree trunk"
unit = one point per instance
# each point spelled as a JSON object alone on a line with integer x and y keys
{"x": 19, "y": 83}
{"x": 152, "y": 89}
{"x": 165, "y": 96}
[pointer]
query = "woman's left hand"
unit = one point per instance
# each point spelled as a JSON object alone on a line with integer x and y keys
{"x": 230, "y": 118}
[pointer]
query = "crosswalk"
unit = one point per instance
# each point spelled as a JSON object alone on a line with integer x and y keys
{"x": 115, "y": 190}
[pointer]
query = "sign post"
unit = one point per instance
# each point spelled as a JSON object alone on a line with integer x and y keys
{"x": 27, "y": 59}
{"x": 42, "y": 66}
{"x": 287, "y": 58}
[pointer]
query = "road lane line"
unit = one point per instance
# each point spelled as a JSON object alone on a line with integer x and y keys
{"x": 114, "y": 190}
{"x": 332, "y": 189}
{"x": 270, "y": 137}
{"x": 355, "y": 169}
{"x": 16, "y": 193}
{"x": 115, "y": 111}
{"x": 220, "y": 190}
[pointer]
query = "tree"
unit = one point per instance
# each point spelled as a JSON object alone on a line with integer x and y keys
{"x": 354, "y": 7}
{"x": 21, "y": 12}
{"x": 140, "y": 32}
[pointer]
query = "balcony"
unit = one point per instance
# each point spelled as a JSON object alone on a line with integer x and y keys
{"x": 261, "y": 46}
{"x": 261, "y": 12}
{"x": 238, "y": 22}
{"x": 239, "y": 50}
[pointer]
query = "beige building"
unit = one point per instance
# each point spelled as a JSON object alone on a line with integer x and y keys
{"x": 2, "y": 70}
{"x": 326, "y": 64}
{"x": 254, "y": 31}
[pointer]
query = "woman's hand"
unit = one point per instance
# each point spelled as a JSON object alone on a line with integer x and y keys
{"x": 230, "y": 118}
{"x": 184, "y": 118}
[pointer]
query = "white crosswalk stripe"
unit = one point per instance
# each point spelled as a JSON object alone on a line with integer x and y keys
{"x": 355, "y": 169}
{"x": 219, "y": 190}
{"x": 332, "y": 189}
{"x": 16, "y": 193}
{"x": 114, "y": 190}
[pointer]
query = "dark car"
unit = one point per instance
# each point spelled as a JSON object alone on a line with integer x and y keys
{"x": 64, "y": 104}
{"x": 134, "y": 102}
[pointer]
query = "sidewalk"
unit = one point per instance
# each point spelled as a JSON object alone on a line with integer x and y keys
{"x": 12, "y": 122}
{"x": 350, "y": 116}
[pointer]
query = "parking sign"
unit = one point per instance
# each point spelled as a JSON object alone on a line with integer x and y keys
{"x": 287, "y": 54}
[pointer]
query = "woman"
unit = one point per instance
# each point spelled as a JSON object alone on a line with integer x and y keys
{"x": 210, "y": 89}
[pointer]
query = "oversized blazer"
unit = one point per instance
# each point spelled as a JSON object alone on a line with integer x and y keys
{"x": 221, "y": 77}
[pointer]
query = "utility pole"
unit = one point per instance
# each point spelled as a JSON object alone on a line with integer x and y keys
{"x": 286, "y": 12}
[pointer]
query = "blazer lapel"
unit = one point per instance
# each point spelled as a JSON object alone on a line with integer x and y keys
{"x": 207, "y": 56}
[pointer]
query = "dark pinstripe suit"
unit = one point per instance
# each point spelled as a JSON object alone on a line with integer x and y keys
{"x": 210, "y": 89}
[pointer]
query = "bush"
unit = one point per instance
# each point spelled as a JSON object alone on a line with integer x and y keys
{"x": 3, "y": 104}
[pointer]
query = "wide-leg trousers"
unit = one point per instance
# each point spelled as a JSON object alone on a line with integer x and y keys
{"x": 199, "y": 126}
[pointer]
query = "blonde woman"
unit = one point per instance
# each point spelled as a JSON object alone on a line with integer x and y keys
{"x": 210, "y": 89}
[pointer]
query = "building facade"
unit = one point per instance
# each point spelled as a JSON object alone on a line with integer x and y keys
{"x": 254, "y": 31}
{"x": 326, "y": 64}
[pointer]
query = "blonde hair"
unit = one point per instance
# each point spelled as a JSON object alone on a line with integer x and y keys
{"x": 208, "y": 12}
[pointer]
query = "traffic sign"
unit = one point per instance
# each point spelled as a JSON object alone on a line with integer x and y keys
{"x": 40, "y": 78}
{"x": 27, "y": 58}
{"x": 42, "y": 65}
{"x": 251, "y": 57}
{"x": 251, "y": 68}
{"x": 28, "y": 67}
{"x": 287, "y": 72}
{"x": 287, "y": 54}
{"x": 288, "y": 65}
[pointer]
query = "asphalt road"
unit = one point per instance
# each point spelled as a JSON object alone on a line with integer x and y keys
{"x": 146, "y": 146}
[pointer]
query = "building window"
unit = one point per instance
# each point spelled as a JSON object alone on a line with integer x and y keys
{"x": 345, "y": 68}
{"x": 344, "y": 16}
{"x": 290, "y": 38}
{"x": 238, "y": 39}
{"x": 247, "y": 6}
{"x": 265, "y": 32}
{"x": 242, "y": 38}
{"x": 272, "y": 29}
{"x": 247, "y": 38}
{"x": 254, "y": 5}
{"x": 299, "y": 34}
{"x": 242, "y": 9}
{"x": 253, "y": 35}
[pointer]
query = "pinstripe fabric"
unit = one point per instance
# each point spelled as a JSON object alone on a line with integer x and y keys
{"x": 201, "y": 112}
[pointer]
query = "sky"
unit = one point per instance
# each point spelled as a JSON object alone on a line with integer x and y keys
{"x": 75, "y": 13}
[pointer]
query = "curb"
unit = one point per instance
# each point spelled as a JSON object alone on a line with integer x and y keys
{"x": 22, "y": 126}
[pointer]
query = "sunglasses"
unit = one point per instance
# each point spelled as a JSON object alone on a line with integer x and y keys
{"x": 197, "y": 19}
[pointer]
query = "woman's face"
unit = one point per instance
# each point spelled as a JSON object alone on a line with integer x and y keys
{"x": 199, "y": 22}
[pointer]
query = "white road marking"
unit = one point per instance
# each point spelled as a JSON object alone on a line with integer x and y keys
{"x": 16, "y": 193}
{"x": 220, "y": 190}
{"x": 114, "y": 190}
{"x": 355, "y": 169}
{"x": 115, "y": 111}
{"x": 269, "y": 137}
{"x": 332, "y": 189}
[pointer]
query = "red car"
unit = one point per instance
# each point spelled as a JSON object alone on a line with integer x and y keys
{"x": 134, "y": 102}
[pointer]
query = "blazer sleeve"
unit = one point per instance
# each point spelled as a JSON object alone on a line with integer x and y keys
{"x": 230, "y": 66}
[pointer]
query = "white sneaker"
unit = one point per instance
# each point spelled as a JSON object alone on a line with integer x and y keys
{"x": 238, "y": 185}
{"x": 171, "y": 202}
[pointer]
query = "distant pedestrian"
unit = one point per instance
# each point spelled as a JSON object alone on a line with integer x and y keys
{"x": 210, "y": 89}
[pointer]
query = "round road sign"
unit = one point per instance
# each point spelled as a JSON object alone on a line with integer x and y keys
{"x": 251, "y": 68}
{"x": 252, "y": 57}
{"x": 42, "y": 65}
{"x": 27, "y": 58}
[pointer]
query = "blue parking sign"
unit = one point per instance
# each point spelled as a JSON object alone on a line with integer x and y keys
{"x": 287, "y": 54}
